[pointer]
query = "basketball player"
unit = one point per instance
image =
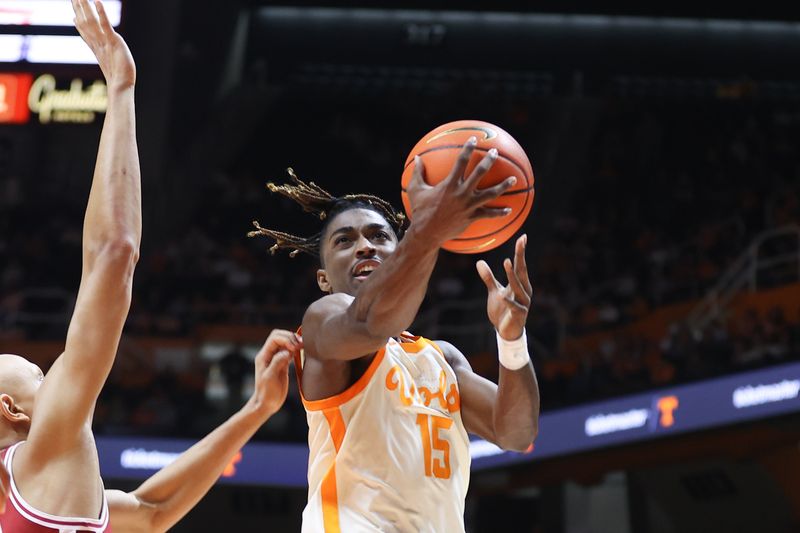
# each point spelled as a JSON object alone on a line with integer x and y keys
{"x": 45, "y": 423}
{"x": 388, "y": 412}
{"x": 161, "y": 501}
{"x": 50, "y": 472}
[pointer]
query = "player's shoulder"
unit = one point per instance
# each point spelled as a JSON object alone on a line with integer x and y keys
{"x": 454, "y": 357}
{"x": 325, "y": 307}
{"x": 329, "y": 303}
{"x": 446, "y": 347}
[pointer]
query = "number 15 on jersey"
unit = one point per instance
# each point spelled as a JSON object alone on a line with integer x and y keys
{"x": 430, "y": 427}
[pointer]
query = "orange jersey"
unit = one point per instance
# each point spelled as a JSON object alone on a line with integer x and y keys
{"x": 390, "y": 453}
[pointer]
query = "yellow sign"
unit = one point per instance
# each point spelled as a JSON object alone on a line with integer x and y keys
{"x": 76, "y": 105}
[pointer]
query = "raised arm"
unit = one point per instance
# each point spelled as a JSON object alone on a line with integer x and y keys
{"x": 111, "y": 236}
{"x": 340, "y": 326}
{"x": 506, "y": 414}
{"x": 172, "y": 492}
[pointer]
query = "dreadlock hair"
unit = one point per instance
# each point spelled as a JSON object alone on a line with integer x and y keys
{"x": 316, "y": 200}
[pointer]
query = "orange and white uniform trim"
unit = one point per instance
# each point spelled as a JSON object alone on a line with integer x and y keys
{"x": 390, "y": 453}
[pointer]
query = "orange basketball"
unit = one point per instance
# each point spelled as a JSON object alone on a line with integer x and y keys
{"x": 439, "y": 150}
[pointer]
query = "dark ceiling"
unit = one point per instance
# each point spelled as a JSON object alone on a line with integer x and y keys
{"x": 727, "y": 10}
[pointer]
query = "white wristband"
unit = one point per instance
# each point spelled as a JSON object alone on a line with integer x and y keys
{"x": 513, "y": 354}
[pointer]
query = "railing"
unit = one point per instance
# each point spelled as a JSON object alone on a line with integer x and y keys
{"x": 750, "y": 270}
{"x": 665, "y": 290}
{"x": 458, "y": 320}
{"x": 473, "y": 332}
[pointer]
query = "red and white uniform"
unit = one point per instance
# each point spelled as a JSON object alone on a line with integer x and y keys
{"x": 390, "y": 453}
{"x": 21, "y": 517}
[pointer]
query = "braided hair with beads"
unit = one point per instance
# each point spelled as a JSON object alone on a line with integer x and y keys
{"x": 316, "y": 200}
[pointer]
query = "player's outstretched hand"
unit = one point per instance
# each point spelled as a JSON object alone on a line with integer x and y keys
{"x": 109, "y": 48}
{"x": 507, "y": 306}
{"x": 272, "y": 371}
{"x": 445, "y": 210}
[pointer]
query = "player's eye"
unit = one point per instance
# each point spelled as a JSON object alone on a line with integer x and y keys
{"x": 340, "y": 240}
{"x": 382, "y": 235}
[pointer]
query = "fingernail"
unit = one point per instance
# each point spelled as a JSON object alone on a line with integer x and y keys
{"x": 507, "y": 211}
{"x": 493, "y": 153}
{"x": 513, "y": 181}
{"x": 472, "y": 140}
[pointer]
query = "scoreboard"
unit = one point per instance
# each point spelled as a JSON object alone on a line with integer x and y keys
{"x": 42, "y": 59}
{"x": 42, "y": 32}
{"x": 14, "y": 92}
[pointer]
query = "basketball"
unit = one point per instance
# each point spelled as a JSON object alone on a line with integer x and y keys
{"x": 439, "y": 150}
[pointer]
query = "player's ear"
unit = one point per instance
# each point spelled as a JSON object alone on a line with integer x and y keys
{"x": 322, "y": 281}
{"x": 11, "y": 411}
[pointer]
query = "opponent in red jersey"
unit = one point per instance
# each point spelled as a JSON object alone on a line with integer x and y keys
{"x": 45, "y": 421}
{"x": 168, "y": 495}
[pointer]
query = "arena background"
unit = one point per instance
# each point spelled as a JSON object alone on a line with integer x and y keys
{"x": 664, "y": 238}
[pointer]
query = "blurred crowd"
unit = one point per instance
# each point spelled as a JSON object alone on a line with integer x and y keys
{"x": 673, "y": 192}
{"x": 630, "y": 362}
{"x": 678, "y": 193}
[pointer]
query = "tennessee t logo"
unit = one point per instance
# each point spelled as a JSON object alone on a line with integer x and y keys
{"x": 666, "y": 408}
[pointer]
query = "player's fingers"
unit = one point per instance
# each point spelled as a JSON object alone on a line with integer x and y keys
{"x": 89, "y": 16}
{"x": 490, "y": 193}
{"x": 76, "y": 8}
{"x": 490, "y": 212}
{"x": 80, "y": 19}
{"x": 460, "y": 166}
{"x": 263, "y": 357}
{"x": 281, "y": 339}
{"x": 521, "y": 265}
{"x": 418, "y": 175}
{"x": 487, "y": 276}
{"x": 79, "y": 6}
{"x": 87, "y": 23}
{"x": 515, "y": 285}
{"x": 279, "y": 365}
{"x": 278, "y": 341}
{"x": 481, "y": 169}
{"x": 105, "y": 24}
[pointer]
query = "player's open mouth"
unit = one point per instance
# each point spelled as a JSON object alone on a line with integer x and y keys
{"x": 363, "y": 269}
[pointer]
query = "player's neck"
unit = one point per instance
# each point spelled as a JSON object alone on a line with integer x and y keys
{"x": 10, "y": 436}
